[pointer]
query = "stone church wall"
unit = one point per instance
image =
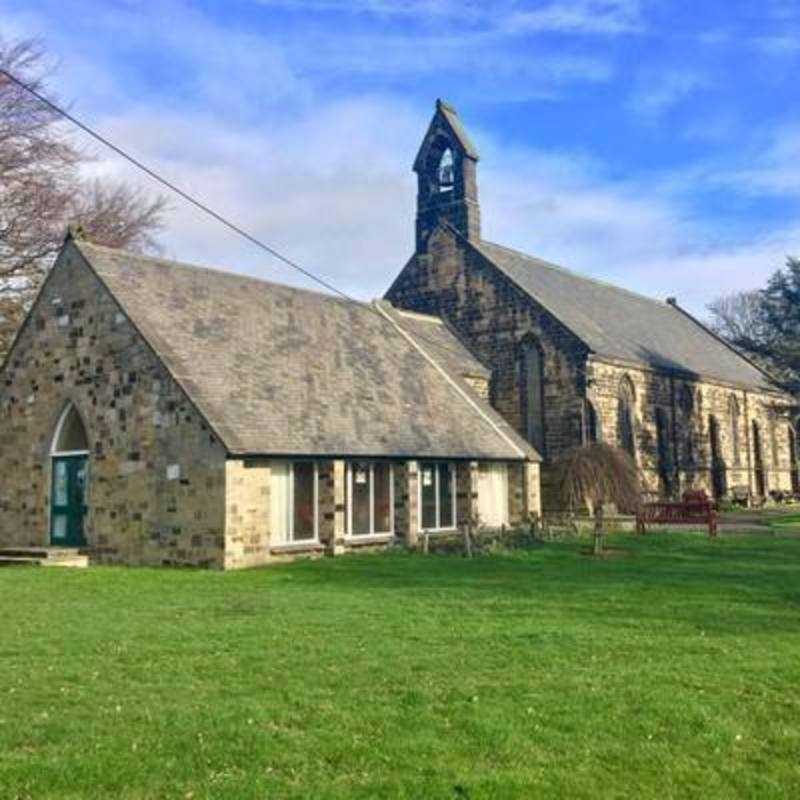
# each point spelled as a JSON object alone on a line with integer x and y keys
{"x": 689, "y": 446}
{"x": 79, "y": 347}
{"x": 492, "y": 316}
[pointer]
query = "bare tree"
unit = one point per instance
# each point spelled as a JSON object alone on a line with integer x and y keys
{"x": 738, "y": 318}
{"x": 765, "y": 324}
{"x": 41, "y": 190}
{"x": 118, "y": 215}
{"x": 596, "y": 475}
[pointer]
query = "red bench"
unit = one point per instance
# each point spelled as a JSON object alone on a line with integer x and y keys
{"x": 696, "y": 507}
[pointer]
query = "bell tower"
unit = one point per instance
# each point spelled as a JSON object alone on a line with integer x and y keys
{"x": 446, "y": 168}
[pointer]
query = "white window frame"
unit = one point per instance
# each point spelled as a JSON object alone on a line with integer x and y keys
{"x": 289, "y": 539}
{"x": 436, "y": 482}
{"x": 54, "y": 451}
{"x": 372, "y": 532}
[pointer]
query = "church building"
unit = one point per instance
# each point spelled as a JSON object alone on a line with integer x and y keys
{"x": 153, "y": 412}
{"x": 159, "y": 413}
{"x": 576, "y": 360}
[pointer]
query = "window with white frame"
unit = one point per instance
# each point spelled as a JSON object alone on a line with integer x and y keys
{"x": 294, "y": 502}
{"x": 437, "y": 495}
{"x": 370, "y": 498}
{"x": 493, "y": 495}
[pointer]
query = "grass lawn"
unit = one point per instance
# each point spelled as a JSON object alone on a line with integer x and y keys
{"x": 786, "y": 522}
{"x": 673, "y": 671}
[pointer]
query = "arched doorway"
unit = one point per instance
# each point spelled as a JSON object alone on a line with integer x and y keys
{"x": 758, "y": 461}
{"x": 69, "y": 455}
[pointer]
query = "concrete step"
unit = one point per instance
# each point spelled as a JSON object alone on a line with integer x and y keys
{"x": 44, "y": 556}
{"x": 18, "y": 561}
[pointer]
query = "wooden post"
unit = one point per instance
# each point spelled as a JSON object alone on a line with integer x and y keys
{"x": 468, "y": 539}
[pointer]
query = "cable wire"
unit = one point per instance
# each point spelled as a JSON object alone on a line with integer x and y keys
{"x": 199, "y": 204}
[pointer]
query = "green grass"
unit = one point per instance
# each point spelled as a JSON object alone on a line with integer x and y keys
{"x": 672, "y": 671}
{"x": 785, "y": 522}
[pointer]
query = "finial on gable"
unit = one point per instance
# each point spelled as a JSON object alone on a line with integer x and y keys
{"x": 446, "y": 177}
{"x": 76, "y": 231}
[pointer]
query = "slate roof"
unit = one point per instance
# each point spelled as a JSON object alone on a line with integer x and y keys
{"x": 453, "y": 121}
{"x": 283, "y": 371}
{"x": 435, "y": 337}
{"x": 623, "y": 325}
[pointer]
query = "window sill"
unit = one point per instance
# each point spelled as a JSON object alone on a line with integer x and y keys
{"x": 297, "y": 547}
{"x": 373, "y": 538}
{"x": 438, "y": 531}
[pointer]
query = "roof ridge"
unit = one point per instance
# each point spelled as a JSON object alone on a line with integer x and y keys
{"x": 482, "y": 408}
{"x": 81, "y": 244}
{"x": 579, "y": 275}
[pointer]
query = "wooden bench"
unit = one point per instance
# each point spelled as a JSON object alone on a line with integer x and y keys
{"x": 696, "y": 507}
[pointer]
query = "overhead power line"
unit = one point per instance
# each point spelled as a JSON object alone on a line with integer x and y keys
{"x": 169, "y": 185}
{"x": 198, "y": 203}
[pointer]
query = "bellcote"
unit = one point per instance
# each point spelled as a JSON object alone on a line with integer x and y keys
{"x": 446, "y": 178}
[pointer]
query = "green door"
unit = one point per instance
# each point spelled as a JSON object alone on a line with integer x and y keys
{"x": 68, "y": 506}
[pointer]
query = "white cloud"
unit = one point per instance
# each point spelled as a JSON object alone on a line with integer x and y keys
{"x": 773, "y": 166}
{"x": 326, "y": 177}
{"x": 334, "y": 190}
{"x": 509, "y": 17}
{"x": 778, "y": 45}
{"x": 609, "y": 17}
{"x": 658, "y": 93}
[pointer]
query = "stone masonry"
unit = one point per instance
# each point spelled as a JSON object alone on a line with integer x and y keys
{"x": 79, "y": 347}
{"x": 493, "y": 316}
{"x": 689, "y": 430}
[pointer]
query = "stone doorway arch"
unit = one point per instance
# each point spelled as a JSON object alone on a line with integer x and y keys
{"x": 69, "y": 462}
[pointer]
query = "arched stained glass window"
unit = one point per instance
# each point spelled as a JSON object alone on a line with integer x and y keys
{"x": 733, "y": 411}
{"x": 626, "y": 433}
{"x": 718, "y": 468}
{"x": 591, "y": 424}
{"x": 664, "y": 457}
{"x": 531, "y": 384}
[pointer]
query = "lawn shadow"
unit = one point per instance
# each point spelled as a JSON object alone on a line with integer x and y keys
{"x": 748, "y": 583}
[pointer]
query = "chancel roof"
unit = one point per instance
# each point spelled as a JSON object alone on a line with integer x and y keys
{"x": 278, "y": 370}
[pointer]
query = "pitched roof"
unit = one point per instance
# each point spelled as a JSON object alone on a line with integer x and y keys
{"x": 283, "y": 371}
{"x": 620, "y": 324}
{"x": 436, "y": 337}
{"x": 451, "y": 119}
{"x": 454, "y": 121}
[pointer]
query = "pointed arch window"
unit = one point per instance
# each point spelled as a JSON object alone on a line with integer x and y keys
{"x": 718, "y": 468}
{"x": 445, "y": 173}
{"x": 773, "y": 437}
{"x": 626, "y": 435}
{"x": 531, "y": 383}
{"x": 664, "y": 458}
{"x": 733, "y": 411}
{"x": 591, "y": 424}
{"x": 70, "y": 436}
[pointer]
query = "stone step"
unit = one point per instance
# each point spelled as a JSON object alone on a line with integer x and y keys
{"x": 18, "y": 561}
{"x": 44, "y": 556}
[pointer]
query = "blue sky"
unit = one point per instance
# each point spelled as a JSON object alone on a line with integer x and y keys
{"x": 653, "y": 144}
